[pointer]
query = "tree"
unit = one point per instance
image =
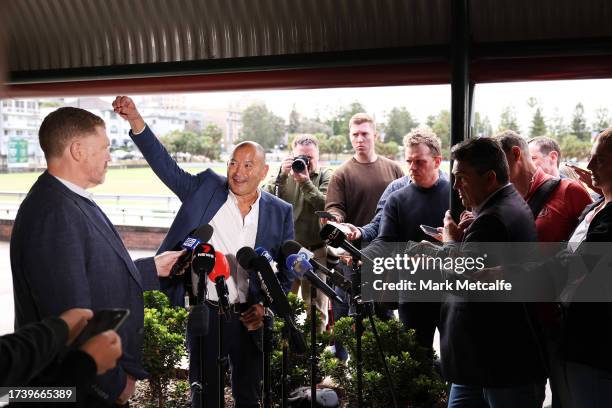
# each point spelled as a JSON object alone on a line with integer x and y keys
{"x": 557, "y": 129}
{"x": 336, "y": 144}
{"x": 482, "y": 127}
{"x": 339, "y": 123}
{"x": 399, "y": 122}
{"x": 388, "y": 150}
{"x": 602, "y": 119}
{"x": 440, "y": 124}
{"x": 182, "y": 142}
{"x": 508, "y": 120}
{"x": 312, "y": 126}
{"x": 262, "y": 126}
{"x": 294, "y": 121}
{"x": 572, "y": 147}
{"x": 538, "y": 126}
{"x": 579, "y": 127}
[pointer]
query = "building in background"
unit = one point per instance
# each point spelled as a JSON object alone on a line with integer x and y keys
{"x": 19, "y": 123}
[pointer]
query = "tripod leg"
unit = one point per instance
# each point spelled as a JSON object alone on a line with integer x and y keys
{"x": 382, "y": 355}
{"x": 285, "y": 370}
{"x": 313, "y": 347}
{"x": 267, "y": 348}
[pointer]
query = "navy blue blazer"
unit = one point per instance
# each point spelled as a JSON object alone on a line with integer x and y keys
{"x": 65, "y": 253}
{"x": 202, "y": 195}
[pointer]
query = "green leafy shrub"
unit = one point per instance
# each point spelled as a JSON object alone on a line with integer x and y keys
{"x": 411, "y": 366}
{"x": 164, "y": 343}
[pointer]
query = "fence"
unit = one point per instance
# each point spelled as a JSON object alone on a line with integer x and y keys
{"x": 124, "y": 209}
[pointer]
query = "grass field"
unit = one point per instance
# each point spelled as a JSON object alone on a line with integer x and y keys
{"x": 138, "y": 181}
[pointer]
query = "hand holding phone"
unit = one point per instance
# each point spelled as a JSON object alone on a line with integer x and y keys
{"x": 431, "y": 231}
{"x": 102, "y": 320}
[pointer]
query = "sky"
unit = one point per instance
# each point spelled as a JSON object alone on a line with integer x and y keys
{"x": 421, "y": 101}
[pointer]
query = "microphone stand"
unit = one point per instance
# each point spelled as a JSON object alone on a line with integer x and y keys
{"x": 358, "y": 307}
{"x": 267, "y": 356}
{"x": 357, "y": 312}
{"x": 197, "y": 385}
{"x": 314, "y": 359}
{"x": 222, "y": 316}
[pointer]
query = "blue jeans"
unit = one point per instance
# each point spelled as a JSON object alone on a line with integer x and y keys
{"x": 589, "y": 387}
{"x": 523, "y": 396}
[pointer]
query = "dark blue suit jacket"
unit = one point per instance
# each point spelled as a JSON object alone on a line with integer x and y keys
{"x": 202, "y": 195}
{"x": 65, "y": 253}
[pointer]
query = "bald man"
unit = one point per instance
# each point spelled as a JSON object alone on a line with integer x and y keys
{"x": 241, "y": 215}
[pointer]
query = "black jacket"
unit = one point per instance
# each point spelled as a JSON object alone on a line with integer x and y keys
{"x": 492, "y": 344}
{"x": 588, "y": 325}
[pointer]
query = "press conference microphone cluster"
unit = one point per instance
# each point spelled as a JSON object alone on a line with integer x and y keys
{"x": 196, "y": 237}
{"x": 293, "y": 247}
{"x": 299, "y": 263}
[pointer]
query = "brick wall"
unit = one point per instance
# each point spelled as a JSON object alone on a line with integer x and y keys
{"x": 133, "y": 237}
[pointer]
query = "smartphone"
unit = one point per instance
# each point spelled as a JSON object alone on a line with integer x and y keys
{"x": 325, "y": 214}
{"x": 431, "y": 231}
{"x": 102, "y": 320}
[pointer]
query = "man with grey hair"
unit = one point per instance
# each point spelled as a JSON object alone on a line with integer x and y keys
{"x": 546, "y": 154}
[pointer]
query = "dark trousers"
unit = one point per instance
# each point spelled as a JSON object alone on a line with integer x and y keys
{"x": 423, "y": 317}
{"x": 244, "y": 349}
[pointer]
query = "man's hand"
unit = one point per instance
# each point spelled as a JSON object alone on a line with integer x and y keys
{"x": 451, "y": 231}
{"x": 585, "y": 177}
{"x": 253, "y": 317}
{"x": 301, "y": 177}
{"x": 286, "y": 165}
{"x": 355, "y": 232}
{"x": 76, "y": 319}
{"x": 128, "y": 391}
{"x": 105, "y": 349}
{"x": 124, "y": 106}
{"x": 165, "y": 261}
{"x": 465, "y": 220}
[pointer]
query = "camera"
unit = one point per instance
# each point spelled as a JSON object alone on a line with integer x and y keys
{"x": 300, "y": 163}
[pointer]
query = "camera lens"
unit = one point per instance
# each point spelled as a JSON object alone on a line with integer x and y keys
{"x": 298, "y": 165}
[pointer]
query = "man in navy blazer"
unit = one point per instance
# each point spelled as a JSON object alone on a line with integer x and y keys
{"x": 241, "y": 215}
{"x": 65, "y": 253}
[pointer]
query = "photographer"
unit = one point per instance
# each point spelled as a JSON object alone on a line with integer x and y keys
{"x": 302, "y": 183}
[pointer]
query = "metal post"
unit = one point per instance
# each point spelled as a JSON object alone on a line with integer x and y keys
{"x": 461, "y": 94}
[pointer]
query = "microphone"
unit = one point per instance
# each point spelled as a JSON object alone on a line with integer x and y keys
{"x": 300, "y": 265}
{"x": 337, "y": 239}
{"x": 195, "y": 237}
{"x": 203, "y": 260}
{"x": 251, "y": 261}
{"x": 293, "y": 247}
{"x": 219, "y": 274}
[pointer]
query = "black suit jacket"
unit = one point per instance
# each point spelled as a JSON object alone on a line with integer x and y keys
{"x": 492, "y": 344}
{"x": 65, "y": 253}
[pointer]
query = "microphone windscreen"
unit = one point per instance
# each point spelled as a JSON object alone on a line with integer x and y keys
{"x": 332, "y": 235}
{"x": 245, "y": 257}
{"x": 203, "y": 259}
{"x": 203, "y": 233}
{"x": 291, "y": 247}
{"x": 197, "y": 323}
{"x": 221, "y": 267}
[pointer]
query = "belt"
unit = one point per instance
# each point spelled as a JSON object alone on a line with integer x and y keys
{"x": 235, "y": 308}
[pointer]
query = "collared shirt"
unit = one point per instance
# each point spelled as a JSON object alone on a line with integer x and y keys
{"x": 230, "y": 233}
{"x": 481, "y": 206}
{"x": 76, "y": 189}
